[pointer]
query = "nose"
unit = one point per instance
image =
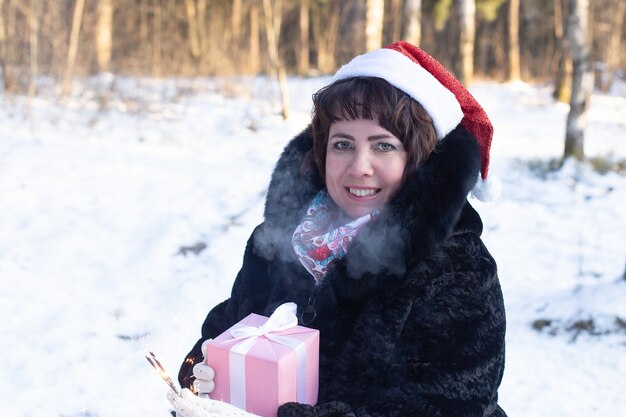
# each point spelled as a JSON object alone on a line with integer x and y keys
{"x": 360, "y": 164}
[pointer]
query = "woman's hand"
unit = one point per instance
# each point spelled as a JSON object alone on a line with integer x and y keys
{"x": 190, "y": 405}
{"x": 203, "y": 385}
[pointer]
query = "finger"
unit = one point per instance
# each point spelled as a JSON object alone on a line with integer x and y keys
{"x": 180, "y": 404}
{"x": 202, "y": 407}
{"x": 186, "y": 394}
{"x": 203, "y": 387}
{"x": 204, "y": 347}
{"x": 203, "y": 372}
{"x": 219, "y": 408}
{"x": 170, "y": 397}
{"x": 191, "y": 398}
{"x": 189, "y": 405}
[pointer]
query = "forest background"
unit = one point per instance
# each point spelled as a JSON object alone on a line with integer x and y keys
{"x": 485, "y": 39}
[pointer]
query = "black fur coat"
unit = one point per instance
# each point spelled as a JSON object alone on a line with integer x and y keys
{"x": 412, "y": 319}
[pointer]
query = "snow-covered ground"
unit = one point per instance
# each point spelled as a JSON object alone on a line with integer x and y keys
{"x": 99, "y": 208}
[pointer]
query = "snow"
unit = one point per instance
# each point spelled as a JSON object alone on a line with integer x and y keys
{"x": 99, "y": 193}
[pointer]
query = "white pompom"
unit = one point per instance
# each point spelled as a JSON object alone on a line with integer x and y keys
{"x": 487, "y": 190}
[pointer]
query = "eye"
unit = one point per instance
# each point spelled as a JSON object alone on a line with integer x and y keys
{"x": 342, "y": 145}
{"x": 385, "y": 147}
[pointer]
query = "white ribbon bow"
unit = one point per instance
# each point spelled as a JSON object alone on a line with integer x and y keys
{"x": 283, "y": 318}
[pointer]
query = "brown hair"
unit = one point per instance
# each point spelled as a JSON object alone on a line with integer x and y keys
{"x": 376, "y": 99}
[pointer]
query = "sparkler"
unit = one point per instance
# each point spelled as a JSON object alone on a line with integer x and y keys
{"x": 162, "y": 372}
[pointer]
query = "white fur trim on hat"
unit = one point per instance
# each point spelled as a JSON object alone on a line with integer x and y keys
{"x": 407, "y": 75}
{"x": 488, "y": 189}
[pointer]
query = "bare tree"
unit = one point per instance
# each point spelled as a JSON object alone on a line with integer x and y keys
{"x": 157, "y": 49}
{"x": 273, "y": 18}
{"x": 513, "y": 67}
{"x": 58, "y": 27}
{"x": 374, "y": 15}
{"x": 34, "y": 48}
{"x": 582, "y": 79}
{"x": 303, "y": 46}
{"x": 563, "y": 73}
{"x": 235, "y": 24}
{"x": 395, "y": 16}
{"x": 325, "y": 27}
{"x": 412, "y": 21}
{"x": 104, "y": 34}
{"x": 254, "y": 49}
{"x": 614, "y": 49}
{"x": 192, "y": 25}
{"x": 73, "y": 49}
{"x": 467, "y": 18}
{"x": 202, "y": 30}
{"x": 235, "y": 30}
{"x": 6, "y": 78}
{"x": 144, "y": 26}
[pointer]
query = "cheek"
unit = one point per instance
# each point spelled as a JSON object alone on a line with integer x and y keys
{"x": 394, "y": 173}
{"x": 331, "y": 171}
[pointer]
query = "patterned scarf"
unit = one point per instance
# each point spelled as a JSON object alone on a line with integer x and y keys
{"x": 324, "y": 235}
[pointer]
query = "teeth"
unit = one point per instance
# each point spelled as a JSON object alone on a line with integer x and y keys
{"x": 359, "y": 192}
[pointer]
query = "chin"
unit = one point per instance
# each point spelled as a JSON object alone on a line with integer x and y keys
{"x": 356, "y": 212}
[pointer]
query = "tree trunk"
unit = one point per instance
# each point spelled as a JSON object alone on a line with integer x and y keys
{"x": 34, "y": 49}
{"x": 615, "y": 49}
{"x": 412, "y": 21}
{"x": 202, "y": 29}
{"x": 58, "y": 43}
{"x": 514, "y": 73}
{"x": 192, "y": 25}
{"x": 254, "y": 53}
{"x": 467, "y": 17}
{"x": 498, "y": 65}
{"x": 563, "y": 72}
{"x": 73, "y": 49}
{"x": 156, "y": 38}
{"x": 104, "y": 34}
{"x": 235, "y": 24}
{"x": 563, "y": 78}
{"x": 325, "y": 32}
{"x": 396, "y": 20}
{"x": 235, "y": 30}
{"x": 273, "y": 17}
{"x": 303, "y": 48}
{"x": 12, "y": 41}
{"x": 582, "y": 79}
{"x": 144, "y": 30}
{"x": 374, "y": 14}
{"x": 6, "y": 78}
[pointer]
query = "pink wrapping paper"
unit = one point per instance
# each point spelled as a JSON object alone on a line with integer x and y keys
{"x": 269, "y": 373}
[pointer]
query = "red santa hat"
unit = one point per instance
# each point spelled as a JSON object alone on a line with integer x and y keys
{"x": 443, "y": 97}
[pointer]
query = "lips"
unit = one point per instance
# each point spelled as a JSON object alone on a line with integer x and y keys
{"x": 363, "y": 192}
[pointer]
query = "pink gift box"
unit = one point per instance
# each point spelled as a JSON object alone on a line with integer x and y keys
{"x": 260, "y": 373}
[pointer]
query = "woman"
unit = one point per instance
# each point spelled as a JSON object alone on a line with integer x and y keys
{"x": 402, "y": 289}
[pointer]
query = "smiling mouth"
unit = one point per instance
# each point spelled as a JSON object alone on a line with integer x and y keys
{"x": 363, "y": 192}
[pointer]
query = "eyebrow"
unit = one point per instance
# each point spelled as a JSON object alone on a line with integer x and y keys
{"x": 369, "y": 138}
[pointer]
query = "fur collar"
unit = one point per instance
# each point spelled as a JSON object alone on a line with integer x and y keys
{"x": 428, "y": 208}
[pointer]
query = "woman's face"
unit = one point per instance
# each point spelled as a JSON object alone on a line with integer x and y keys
{"x": 364, "y": 165}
